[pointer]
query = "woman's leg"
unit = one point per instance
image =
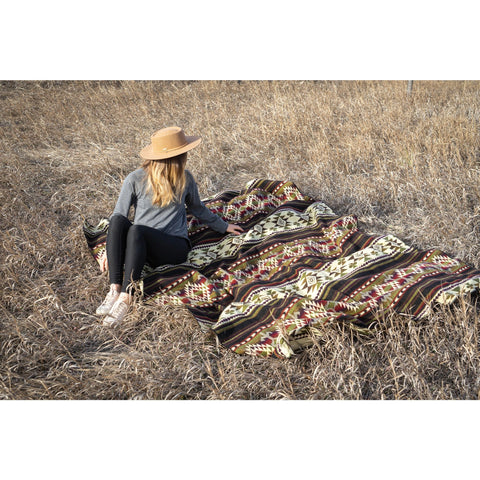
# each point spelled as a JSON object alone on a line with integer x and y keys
{"x": 116, "y": 242}
{"x": 146, "y": 244}
{"x": 116, "y": 246}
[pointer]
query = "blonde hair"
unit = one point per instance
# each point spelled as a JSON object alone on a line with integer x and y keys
{"x": 166, "y": 179}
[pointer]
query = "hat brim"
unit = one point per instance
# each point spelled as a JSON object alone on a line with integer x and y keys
{"x": 147, "y": 153}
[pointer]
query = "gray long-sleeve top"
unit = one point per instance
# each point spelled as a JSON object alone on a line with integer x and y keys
{"x": 171, "y": 219}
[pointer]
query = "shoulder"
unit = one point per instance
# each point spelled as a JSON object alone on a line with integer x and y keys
{"x": 135, "y": 177}
{"x": 189, "y": 176}
{"x": 189, "y": 180}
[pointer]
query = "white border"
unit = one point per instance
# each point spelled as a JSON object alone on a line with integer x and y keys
{"x": 252, "y": 39}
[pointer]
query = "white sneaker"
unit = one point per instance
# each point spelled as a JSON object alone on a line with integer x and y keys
{"x": 116, "y": 314}
{"x": 107, "y": 304}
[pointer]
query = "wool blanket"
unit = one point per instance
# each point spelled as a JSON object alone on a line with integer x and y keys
{"x": 297, "y": 268}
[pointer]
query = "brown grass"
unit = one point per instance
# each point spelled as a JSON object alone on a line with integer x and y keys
{"x": 404, "y": 165}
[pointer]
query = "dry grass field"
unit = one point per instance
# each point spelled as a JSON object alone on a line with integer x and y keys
{"x": 407, "y": 165}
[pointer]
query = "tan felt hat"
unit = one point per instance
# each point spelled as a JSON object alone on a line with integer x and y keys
{"x": 168, "y": 142}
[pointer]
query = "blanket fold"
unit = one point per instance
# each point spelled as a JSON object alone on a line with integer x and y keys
{"x": 297, "y": 267}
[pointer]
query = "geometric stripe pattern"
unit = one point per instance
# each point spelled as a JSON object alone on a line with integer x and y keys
{"x": 297, "y": 267}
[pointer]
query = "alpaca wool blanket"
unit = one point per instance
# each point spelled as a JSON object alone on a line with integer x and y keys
{"x": 297, "y": 268}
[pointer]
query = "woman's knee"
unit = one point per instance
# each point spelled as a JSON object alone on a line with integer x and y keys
{"x": 135, "y": 234}
{"x": 118, "y": 219}
{"x": 118, "y": 223}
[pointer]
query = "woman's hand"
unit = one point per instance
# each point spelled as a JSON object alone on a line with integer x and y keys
{"x": 103, "y": 262}
{"x": 236, "y": 229}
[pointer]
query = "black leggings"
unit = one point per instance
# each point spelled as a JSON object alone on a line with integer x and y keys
{"x": 135, "y": 245}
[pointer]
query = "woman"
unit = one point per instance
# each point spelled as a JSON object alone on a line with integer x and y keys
{"x": 159, "y": 191}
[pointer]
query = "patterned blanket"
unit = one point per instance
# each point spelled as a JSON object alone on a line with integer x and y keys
{"x": 297, "y": 268}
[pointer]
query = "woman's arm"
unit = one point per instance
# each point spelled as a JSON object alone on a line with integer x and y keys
{"x": 125, "y": 200}
{"x": 197, "y": 208}
{"x": 127, "y": 197}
